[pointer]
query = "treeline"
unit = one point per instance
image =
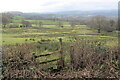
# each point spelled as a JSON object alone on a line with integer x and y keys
{"x": 100, "y": 23}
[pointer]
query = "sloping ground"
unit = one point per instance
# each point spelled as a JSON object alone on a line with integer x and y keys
{"x": 25, "y": 35}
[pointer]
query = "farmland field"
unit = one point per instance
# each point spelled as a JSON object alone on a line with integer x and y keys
{"x": 59, "y": 40}
{"x": 41, "y": 48}
{"x": 20, "y": 35}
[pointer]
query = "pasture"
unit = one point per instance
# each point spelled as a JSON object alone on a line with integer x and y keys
{"x": 44, "y": 43}
{"x": 24, "y": 35}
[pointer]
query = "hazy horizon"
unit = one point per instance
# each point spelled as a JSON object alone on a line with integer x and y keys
{"x": 40, "y": 6}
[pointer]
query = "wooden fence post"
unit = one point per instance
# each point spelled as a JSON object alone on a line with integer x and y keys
{"x": 72, "y": 56}
{"x": 33, "y": 58}
{"x": 62, "y": 64}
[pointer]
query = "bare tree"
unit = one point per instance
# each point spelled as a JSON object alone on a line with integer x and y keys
{"x": 40, "y": 24}
{"x": 111, "y": 25}
{"x": 26, "y": 23}
{"x": 102, "y": 23}
{"x": 60, "y": 24}
{"x": 6, "y": 18}
{"x": 98, "y": 22}
{"x": 73, "y": 24}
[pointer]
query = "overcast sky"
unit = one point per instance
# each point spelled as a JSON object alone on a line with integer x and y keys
{"x": 56, "y": 5}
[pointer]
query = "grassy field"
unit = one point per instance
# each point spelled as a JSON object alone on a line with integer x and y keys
{"x": 81, "y": 33}
{"x": 44, "y": 41}
{"x": 17, "y": 21}
{"x": 20, "y": 35}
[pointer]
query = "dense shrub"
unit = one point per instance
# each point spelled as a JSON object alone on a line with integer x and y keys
{"x": 104, "y": 63}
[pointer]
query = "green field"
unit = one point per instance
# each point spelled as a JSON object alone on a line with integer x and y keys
{"x": 22, "y": 44}
{"x": 19, "y": 35}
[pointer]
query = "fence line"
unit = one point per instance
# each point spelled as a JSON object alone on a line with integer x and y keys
{"x": 60, "y": 60}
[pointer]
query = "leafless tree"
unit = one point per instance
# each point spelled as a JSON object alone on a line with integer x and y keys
{"x": 40, "y": 24}
{"x": 73, "y": 24}
{"x": 111, "y": 25}
{"x": 60, "y": 24}
{"x": 26, "y": 23}
{"x": 98, "y": 22}
{"x": 6, "y": 18}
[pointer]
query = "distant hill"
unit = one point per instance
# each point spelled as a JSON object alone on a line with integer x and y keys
{"x": 17, "y": 13}
{"x": 109, "y": 13}
{"x": 83, "y": 14}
